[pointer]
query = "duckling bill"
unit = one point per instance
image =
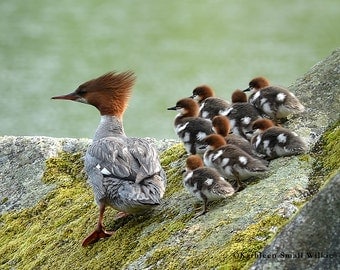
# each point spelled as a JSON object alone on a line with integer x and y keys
{"x": 190, "y": 128}
{"x": 273, "y": 101}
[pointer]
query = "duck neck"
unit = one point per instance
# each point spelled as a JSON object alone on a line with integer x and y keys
{"x": 109, "y": 126}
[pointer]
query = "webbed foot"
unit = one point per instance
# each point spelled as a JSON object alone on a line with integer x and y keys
{"x": 95, "y": 236}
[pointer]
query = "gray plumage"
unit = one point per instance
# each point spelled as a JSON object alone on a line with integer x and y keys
{"x": 212, "y": 106}
{"x": 205, "y": 183}
{"x": 276, "y": 102}
{"x": 230, "y": 161}
{"x": 124, "y": 172}
{"x": 190, "y": 128}
{"x": 275, "y": 142}
{"x": 241, "y": 115}
{"x": 192, "y": 131}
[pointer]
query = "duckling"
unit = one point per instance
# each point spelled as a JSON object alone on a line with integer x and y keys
{"x": 272, "y": 142}
{"x": 221, "y": 125}
{"x": 241, "y": 114}
{"x": 190, "y": 128}
{"x": 210, "y": 105}
{"x": 231, "y": 161}
{"x": 205, "y": 183}
{"x": 238, "y": 96}
{"x": 273, "y": 101}
{"x": 125, "y": 173}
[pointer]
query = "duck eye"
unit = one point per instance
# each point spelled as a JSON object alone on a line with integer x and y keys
{"x": 81, "y": 91}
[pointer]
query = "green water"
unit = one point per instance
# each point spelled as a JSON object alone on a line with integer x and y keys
{"x": 49, "y": 47}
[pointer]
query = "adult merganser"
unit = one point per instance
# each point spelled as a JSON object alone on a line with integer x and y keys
{"x": 205, "y": 183}
{"x": 231, "y": 161}
{"x": 125, "y": 173}
{"x": 210, "y": 105}
{"x": 241, "y": 114}
{"x": 190, "y": 128}
{"x": 221, "y": 125}
{"x": 274, "y": 101}
{"x": 272, "y": 142}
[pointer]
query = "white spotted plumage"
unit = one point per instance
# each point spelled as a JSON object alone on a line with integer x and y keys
{"x": 205, "y": 183}
{"x": 274, "y": 142}
{"x": 273, "y": 101}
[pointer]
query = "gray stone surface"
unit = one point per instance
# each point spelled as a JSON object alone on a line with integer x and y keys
{"x": 311, "y": 240}
{"x": 22, "y": 163}
{"x": 316, "y": 230}
{"x": 319, "y": 91}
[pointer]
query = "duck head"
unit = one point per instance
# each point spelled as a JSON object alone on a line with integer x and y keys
{"x": 109, "y": 93}
{"x": 257, "y": 83}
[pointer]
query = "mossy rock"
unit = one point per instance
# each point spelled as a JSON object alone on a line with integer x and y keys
{"x": 47, "y": 234}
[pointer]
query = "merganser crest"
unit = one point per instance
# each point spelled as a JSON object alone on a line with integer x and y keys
{"x": 124, "y": 173}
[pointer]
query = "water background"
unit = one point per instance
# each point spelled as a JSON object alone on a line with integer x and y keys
{"x": 48, "y": 48}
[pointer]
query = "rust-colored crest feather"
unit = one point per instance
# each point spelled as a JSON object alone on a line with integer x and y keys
{"x": 109, "y": 92}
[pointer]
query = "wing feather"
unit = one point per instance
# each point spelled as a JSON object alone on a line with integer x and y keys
{"x": 131, "y": 159}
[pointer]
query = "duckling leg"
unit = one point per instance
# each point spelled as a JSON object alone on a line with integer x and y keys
{"x": 205, "y": 207}
{"x": 99, "y": 232}
{"x": 240, "y": 186}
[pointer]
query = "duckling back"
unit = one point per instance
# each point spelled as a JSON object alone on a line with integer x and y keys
{"x": 276, "y": 102}
{"x": 275, "y": 142}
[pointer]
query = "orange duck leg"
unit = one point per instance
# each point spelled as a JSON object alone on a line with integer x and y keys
{"x": 99, "y": 232}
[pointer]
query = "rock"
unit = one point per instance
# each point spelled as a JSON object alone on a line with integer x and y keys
{"x": 319, "y": 91}
{"x": 54, "y": 207}
{"x": 22, "y": 162}
{"x": 311, "y": 240}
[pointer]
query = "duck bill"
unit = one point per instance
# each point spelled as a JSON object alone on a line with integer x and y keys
{"x": 246, "y": 90}
{"x": 172, "y": 108}
{"x": 71, "y": 96}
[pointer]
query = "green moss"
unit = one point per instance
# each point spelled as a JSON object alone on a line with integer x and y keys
{"x": 326, "y": 158}
{"x": 173, "y": 161}
{"x": 237, "y": 253}
{"x": 242, "y": 249}
{"x": 244, "y": 246}
{"x": 31, "y": 235}
{"x": 49, "y": 234}
{"x": 161, "y": 254}
{"x": 66, "y": 166}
